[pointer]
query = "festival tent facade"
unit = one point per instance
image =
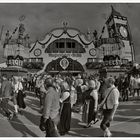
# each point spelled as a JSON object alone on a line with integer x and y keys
{"x": 69, "y": 51}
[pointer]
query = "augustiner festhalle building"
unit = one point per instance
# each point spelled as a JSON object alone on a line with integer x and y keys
{"x": 68, "y": 50}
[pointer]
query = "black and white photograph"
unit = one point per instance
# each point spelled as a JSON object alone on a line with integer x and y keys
{"x": 70, "y": 69}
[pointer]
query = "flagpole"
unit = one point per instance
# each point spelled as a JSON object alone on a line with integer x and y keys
{"x": 1, "y": 31}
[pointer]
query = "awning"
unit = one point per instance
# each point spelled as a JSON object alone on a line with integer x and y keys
{"x": 13, "y": 71}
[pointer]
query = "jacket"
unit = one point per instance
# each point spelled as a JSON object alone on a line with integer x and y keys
{"x": 51, "y": 103}
{"x": 6, "y": 88}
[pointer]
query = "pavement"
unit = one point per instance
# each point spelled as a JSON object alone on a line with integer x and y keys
{"x": 125, "y": 124}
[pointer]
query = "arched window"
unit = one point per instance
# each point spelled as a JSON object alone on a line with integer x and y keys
{"x": 65, "y": 45}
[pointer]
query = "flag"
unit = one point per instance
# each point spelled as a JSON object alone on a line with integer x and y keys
{"x": 103, "y": 29}
{"x": 15, "y": 30}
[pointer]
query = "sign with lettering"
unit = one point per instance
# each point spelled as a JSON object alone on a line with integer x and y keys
{"x": 116, "y": 62}
{"x": 107, "y": 41}
{"x": 14, "y": 62}
{"x": 65, "y": 54}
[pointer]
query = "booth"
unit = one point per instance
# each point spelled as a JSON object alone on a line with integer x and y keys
{"x": 14, "y": 67}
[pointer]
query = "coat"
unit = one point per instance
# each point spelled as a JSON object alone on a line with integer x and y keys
{"x": 6, "y": 88}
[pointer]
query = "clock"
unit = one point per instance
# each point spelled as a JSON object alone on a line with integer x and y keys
{"x": 37, "y": 52}
{"x": 92, "y": 52}
{"x": 123, "y": 31}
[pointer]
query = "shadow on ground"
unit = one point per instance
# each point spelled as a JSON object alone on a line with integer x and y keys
{"x": 124, "y": 134}
{"x": 87, "y": 132}
{"x": 22, "y": 128}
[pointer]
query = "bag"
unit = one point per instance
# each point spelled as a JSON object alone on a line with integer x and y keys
{"x": 86, "y": 94}
{"x": 50, "y": 128}
{"x": 24, "y": 94}
{"x": 12, "y": 93}
{"x": 99, "y": 113}
{"x": 42, "y": 124}
{"x": 47, "y": 126}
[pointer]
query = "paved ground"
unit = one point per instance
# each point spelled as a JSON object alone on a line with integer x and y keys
{"x": 126, "y": 122}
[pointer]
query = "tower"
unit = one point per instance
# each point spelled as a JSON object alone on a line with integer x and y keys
{"x": 118, "y": 27}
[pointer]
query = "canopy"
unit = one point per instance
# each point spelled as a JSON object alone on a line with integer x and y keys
{"x": 13, "y": 71}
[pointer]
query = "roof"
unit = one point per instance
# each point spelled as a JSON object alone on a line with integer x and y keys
{"x": 113, "y": 13}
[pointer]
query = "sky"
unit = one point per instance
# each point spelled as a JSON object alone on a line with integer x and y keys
{"x": 41, "y": 18}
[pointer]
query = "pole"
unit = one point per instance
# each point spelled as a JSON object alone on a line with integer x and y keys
{"x": 1, "y": 31}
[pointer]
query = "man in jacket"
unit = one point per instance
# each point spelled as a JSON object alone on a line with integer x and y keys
{"x": 51, "y": 107}
{"x": 6, "y": 92}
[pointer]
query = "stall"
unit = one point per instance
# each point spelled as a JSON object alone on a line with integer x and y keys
{"x": 13, "y": 71}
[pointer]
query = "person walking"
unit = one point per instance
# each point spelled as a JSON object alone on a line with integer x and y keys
{"x": 14, "y": 95}
{"x": 6, "y": 95}
{"x": 110, "y": 104}
{"x": 93, "y": 103}
{"x": 18, "y": 89}
{"x": 65, "y": 111}
{"x": 50, "y": 115}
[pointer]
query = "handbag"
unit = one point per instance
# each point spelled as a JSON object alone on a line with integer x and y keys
{"x": 42, "y": 124}
{"x": 50, "y": 128}
{"x": 47, "y": 126}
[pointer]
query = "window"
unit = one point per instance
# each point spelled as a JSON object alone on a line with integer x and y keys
{"x": 89, "y": 60}
{"x": 40, "y": 59}
{"x": 68, "y": 44}
{"x": 26, "y": 59}
{"x": 73, "y": 44}
{"x": 33, "y": 59}
{"x": 61, "y": 45}
{"x": 65, "y": 45}
{"x": 57, "y": 45}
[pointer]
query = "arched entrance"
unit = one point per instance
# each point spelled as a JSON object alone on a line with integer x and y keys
{"x": 64, "y": 65}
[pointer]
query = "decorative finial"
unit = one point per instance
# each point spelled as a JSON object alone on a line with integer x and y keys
{"x": 88, "y": 31}
{"x": 95, "y": 34}
{"x": 21, "y": 18}
{"x": 65, "y": 24}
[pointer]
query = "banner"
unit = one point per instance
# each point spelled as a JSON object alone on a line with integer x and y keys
{"x": 107, "y": 41}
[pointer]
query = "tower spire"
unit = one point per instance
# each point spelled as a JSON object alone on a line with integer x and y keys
{"x": 114, "y": 12}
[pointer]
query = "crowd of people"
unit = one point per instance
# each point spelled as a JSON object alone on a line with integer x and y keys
{"x": 60, "y": 95}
